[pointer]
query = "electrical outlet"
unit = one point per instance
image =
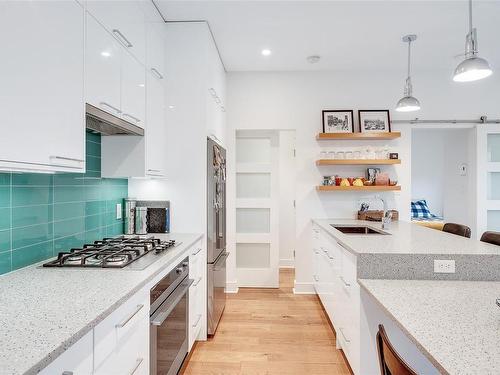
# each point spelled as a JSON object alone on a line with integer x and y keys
{"x": 118, "y": 211}
{"x": 444, "y": 266}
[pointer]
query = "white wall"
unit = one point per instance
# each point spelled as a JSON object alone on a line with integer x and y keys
{"x": 294, "y": 100}
{"x": 437, "y": 155}
{"x": 286, "y": 197}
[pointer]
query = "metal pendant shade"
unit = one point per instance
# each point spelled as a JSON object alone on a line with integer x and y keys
{"x": 473, "y": 68}
{"x": 408, "y": 103}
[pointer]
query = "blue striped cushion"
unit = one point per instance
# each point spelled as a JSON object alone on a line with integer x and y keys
{"x": 419, "y": 209}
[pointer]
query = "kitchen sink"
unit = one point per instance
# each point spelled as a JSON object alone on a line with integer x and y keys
{"x": 362, "y": 229}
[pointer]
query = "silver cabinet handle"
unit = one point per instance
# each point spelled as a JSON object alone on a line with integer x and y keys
{"x": 217, "y": 100}
{"x": 316, "y": 278}
{"x": 110, "y": 106}
{"x": 197, "y": 251}
{"x": 157, "y": 73}
{"x": 222, "y": 108}
{"x": 346, "y": 284}
{"x": 122, "y": 38}
{"x": 154, "y": 170}
{"x": 197, "y": 321}
{"x": 67, "y": 373}
{"x": 137, "y": 365}
{"x": 343, "y": 335}
{"x": 124, "y": 323}
{"x": 132, "y": 117}
{"x": 197, "y": 281}
{"x": 65, "y": 158}
{"x": 212, "y": 92}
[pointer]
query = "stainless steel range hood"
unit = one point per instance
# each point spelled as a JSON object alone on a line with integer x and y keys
{"x": 106, "y": 124}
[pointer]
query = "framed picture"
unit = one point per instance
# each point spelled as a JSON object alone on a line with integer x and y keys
{"x": 374, "y": 121}
{"x": 335, "y": 121}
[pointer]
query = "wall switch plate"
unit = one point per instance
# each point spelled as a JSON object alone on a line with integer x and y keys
{"x": 463, "y": 170}
{"x": 118, "y": 211}
{"x": 444, "y": 266}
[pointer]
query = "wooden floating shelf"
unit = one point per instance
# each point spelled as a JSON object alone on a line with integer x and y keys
{"x": 359, "y": 188}
{"x": 357, "y": 136}
{"x": 358, "y": 161}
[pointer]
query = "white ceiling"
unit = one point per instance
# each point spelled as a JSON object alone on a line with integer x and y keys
{"x": 348, "y": 35}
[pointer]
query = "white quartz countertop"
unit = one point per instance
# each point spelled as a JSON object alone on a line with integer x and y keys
{"x": 456, "y": 324}
{"x": 46, "y": 310}
{"x": 404, "y": 238}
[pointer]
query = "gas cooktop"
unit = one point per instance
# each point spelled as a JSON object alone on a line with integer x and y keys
{"x": 116, "y": 252}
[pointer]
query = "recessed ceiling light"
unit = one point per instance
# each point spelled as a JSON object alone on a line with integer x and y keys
{"x": 313, "y": 59}
{"x": 266, "y": 52}
{"x": 105, "y": 53}
{"x": 141, "y": 84}
{"x": 171, "y": 106}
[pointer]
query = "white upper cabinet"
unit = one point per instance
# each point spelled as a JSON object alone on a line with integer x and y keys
{"x": 41, "y": 86}
{"x": 115, "y": 80}
{"x": 133, "y": 91}
{"x": 156, "y": 134}
{"x": 125, "y": 20}
{"x": 103, "y": 69}
{"x": 155, "y": 57}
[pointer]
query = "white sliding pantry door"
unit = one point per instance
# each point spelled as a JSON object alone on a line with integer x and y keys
{"x": 488, "y": 178}
{"x": 257, "y": 210}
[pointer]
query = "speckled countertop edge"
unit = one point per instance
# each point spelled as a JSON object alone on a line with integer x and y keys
{"x": 405, "y": 331}
{"x": 188, "y": 241}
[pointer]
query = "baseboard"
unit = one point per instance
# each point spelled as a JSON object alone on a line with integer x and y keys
{"x": 231, "y": 287}
{"x": 303, "y": 288}
{"x": 287, "y": 263}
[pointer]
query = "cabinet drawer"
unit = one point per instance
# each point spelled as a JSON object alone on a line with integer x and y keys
{"x": 77, "y": 360}
{"x": 131, "y": 355}
{"x": 118, "y": 327}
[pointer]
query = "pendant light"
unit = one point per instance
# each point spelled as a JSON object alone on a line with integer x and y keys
{"x": 473, "y": 67}
{"x": 408, "y": 103}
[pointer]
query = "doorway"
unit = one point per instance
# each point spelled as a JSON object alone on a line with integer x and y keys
{"x": 443, "y": 174}
{"x": 264, "y": 206}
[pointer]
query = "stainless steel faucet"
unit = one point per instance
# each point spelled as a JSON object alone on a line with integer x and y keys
{"x": 386, "y": 214}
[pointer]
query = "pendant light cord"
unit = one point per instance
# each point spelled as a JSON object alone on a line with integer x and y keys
{"x": 409, "y": 57}
{"x": 470, "y": 17}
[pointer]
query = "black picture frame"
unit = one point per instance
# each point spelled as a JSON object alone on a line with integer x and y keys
{"x": 383, "y": 112}
{"x": 328, "y": 128}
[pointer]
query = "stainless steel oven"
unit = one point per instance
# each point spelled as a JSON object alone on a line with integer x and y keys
{"x": 169, "y": 319}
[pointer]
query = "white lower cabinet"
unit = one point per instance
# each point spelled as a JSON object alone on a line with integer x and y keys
{"x": 197, "y": 265}
{"x": 77, "y": 360}
{"x": 335, "y": 282}
{"x": 121, "y": 341}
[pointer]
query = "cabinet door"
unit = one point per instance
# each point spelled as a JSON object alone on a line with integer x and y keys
{"x": 103, "y": 76}
{"x": 76, "y": 360}
{"x": 156, "y": 132}
{"x": 41, "y": 85}
{"x": 133, "y": 96}
{"x": 125, "y": 20}
{"x": 155, "y": 50}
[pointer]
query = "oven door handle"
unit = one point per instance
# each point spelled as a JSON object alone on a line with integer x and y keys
{"x": 169, "y": 304}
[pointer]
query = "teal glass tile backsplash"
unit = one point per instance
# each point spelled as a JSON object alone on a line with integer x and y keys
{"x": 42, "y": 214}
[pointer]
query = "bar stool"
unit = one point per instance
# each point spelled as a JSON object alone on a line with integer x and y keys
{"x": 458, "y": 229}
{"x": 390, "y": 361}
{"x": 491, "y": 237}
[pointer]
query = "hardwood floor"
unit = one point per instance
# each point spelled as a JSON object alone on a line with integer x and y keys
{"x": 270, "y": 331}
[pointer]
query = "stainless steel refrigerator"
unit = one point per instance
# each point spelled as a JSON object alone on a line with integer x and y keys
{"x": 216, "y": 233}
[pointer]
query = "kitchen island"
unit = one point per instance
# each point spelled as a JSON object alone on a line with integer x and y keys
{"x": 365, "y": 277}
{"x": 455, "y": 324}
{"x": 48, "y": 310}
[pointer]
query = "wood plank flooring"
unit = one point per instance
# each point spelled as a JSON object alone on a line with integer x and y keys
{"x": 270, "y": 331}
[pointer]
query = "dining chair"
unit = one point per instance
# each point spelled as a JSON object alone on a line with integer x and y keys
{"x": 458, "y": 229}
{"x": 491, "y": 237}
{"x": 390, "y": 361}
